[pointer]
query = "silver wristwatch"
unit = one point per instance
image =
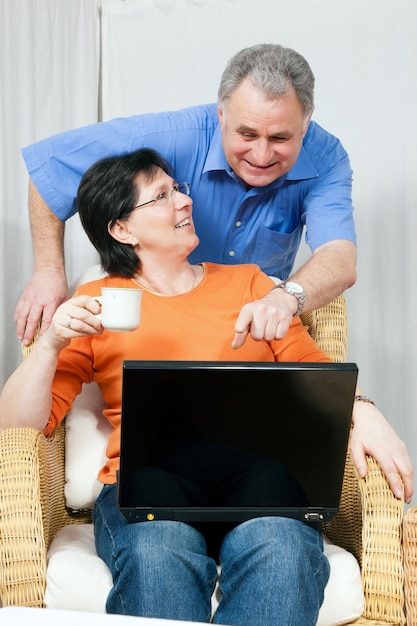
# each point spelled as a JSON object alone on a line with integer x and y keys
{"x": 294, "y": 289}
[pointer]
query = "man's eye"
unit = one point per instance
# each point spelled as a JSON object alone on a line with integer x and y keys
{"x": 162, "y": 196}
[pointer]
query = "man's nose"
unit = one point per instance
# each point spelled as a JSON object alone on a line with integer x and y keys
{"x": 261, "y": 153}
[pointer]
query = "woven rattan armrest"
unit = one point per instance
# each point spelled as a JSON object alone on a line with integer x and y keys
{"x": 328, "y": 326}
{"x": 369, "y": 522}
{"x": 410, "y": 564}
{"x": 32, "y": 510}
{"x": 369, "y": 525}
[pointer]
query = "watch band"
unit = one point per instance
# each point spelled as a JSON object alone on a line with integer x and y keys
{"x": 364, "y": 399}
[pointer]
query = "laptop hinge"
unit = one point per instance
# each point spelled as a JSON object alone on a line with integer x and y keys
{"x": 314, "y": 517}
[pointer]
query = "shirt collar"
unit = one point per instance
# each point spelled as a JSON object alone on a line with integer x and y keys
{"x": 216, "y": 159}
{"x": 303, "y": 168}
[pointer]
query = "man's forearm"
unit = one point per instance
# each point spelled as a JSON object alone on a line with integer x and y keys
{"x": 328, "y": 273}
{"x": 47, "y": 233}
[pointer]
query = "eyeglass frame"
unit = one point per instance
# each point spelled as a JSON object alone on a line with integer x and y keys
{"x": 177, "y": 188}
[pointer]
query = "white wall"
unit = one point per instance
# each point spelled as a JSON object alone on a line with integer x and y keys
{"x": 161, "y": 54}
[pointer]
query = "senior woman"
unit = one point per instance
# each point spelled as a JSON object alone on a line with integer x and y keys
{"x": 140, "y": 221}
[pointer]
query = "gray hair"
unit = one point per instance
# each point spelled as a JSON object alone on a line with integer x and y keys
{"x": 274, "y": 70}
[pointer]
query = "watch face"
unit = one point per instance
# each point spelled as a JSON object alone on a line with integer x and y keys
{"x": 294, "y": 287}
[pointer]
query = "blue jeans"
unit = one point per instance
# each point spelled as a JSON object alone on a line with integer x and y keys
{"x": 273, "y": 569}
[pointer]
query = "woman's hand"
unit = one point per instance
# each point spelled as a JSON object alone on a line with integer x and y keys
{"x": 76, "y": 317}
{"x": 373, "y": 435}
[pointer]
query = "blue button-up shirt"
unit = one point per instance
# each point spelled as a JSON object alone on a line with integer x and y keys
{"x": 261, "y": 225}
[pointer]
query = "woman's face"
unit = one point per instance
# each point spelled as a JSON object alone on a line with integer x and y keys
{"x": 163, "y": 226}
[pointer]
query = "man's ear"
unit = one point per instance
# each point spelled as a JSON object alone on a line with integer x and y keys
{"x": 120, "y": 232}
{"x": 307, "y": 122}
{"x": 221, "y": 116}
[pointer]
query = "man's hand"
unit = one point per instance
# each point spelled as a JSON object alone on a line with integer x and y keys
{"x": 43, "y": 293}
{"x": 373, "y": 435}
{"x": 268, "y": 318}
{"x": 48, "y": 287}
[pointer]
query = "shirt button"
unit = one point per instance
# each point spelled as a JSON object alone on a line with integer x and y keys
{"x": 238, "y": 224}
{"x": 232, "y": 253}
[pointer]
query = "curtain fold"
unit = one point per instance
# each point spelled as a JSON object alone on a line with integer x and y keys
{"x": 49, "y": 82}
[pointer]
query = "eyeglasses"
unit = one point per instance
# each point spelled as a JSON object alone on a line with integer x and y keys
{"x": 166, "y": 196}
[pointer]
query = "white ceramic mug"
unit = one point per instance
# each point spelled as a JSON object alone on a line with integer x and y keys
{"x": 120, "y": 308}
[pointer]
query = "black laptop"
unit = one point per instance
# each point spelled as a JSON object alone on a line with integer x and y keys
{"x": 226, "y": 441}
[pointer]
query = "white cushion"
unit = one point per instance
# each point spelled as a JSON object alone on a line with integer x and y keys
{"x": 94, "y": 272}
{"x": 87, "y": 433}
{"x": 77, "y": 579}
{"x": 343, "y": 597}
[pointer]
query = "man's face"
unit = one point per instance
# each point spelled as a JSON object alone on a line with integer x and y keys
{"x": 261, "y": 138}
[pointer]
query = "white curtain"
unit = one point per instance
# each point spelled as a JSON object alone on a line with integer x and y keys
{"x": 49, "y": 82}
{"x": 164, "y": 54}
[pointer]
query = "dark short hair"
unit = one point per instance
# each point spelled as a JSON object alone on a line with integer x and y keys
{"x": 107, "y": 193}
{"x": 274, "y": 70}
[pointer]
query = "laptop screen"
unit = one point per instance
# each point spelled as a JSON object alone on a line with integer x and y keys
{"x": 228, "y": 441}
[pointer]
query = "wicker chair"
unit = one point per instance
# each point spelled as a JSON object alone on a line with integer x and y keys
{"x": 32, "y": 508}
{"x": 410, "y": 565}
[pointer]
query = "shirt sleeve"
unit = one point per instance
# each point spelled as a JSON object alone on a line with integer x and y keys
{"x": 327, "y": 206}
{"x": 57, "y": 164}
{"x": 75, "y": 367}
